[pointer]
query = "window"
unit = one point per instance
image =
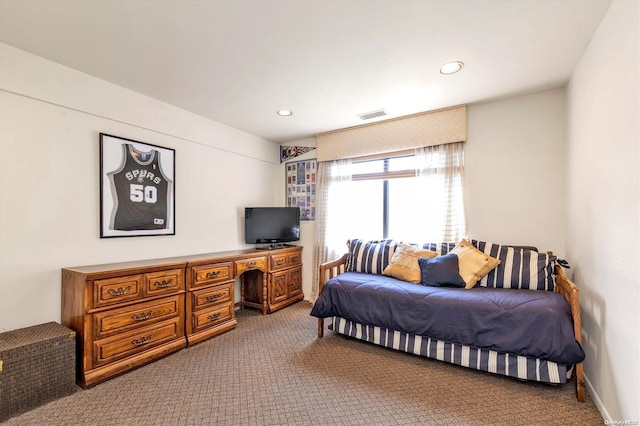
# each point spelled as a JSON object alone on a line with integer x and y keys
{"x": 386, "y": 189}
{"x": 413, "y": 196}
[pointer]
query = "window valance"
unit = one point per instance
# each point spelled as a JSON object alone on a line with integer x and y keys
{"x": 414, "y": 131}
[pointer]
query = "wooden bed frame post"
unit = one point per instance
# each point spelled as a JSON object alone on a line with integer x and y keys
{"x": 327, "y": 271}
{"x": 570, "y": 292}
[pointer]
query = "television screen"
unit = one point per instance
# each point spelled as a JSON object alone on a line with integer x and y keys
{"x": 271, "y": 225}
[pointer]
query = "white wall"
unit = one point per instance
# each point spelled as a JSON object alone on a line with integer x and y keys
{"x": 514, "y": 179}
{"x": 307, "y": 227}
{"x": 603, "y": 198}
{"x": 50, "y": 119}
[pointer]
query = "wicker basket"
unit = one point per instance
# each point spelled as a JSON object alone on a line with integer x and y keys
{"x": 37, "y": 365}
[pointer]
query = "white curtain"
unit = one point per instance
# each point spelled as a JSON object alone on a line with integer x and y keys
{"x": 432, "y": 206}
{"x": 440, "y": 169}
{"x": 333, "y": 179}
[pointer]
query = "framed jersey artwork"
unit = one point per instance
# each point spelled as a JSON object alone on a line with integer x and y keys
{"x": 137, "y": 188}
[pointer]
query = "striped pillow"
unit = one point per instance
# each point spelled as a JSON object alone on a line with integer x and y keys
{"x": 370, "y": 257}
{"x": 519, "y": 268}
{"x": 440, "y": 248}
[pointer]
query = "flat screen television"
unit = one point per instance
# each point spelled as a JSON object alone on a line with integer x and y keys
{"x": 271, "y": 225}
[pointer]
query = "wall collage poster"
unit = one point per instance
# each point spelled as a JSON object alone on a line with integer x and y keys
{"x": 301, "y": 187}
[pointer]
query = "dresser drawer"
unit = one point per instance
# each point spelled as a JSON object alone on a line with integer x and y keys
{"x": 218, "y": 294}
{"x": 211, "y": 274}
{"x": 164, "y": 282}
{"x": 285, "y": 260}
{"x": 123, "y": 345}
{"x": 139, "y": 315}
{"x": 116, "y": 290}
{"x": 278, "y": 261}
{"x": 251, "y": 263}
{"x": 212, "y": 317}
{"x": 294, "y": 259}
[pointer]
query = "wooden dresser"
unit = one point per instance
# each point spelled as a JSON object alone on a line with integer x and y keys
{"x": 124, "y": 315}
{"x": 210, "y": 308}
{"x": 282, "y": 284}
{"x": 285, "y": 277}
{"x": 129, "y": 314}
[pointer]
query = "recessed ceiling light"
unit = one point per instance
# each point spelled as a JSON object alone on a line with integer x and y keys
{"x": 284, "y": 112}
{"x": 451, "y": 67}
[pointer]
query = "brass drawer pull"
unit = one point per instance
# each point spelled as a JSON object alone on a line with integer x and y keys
{"x": 215, "y": 274}
{"x": 295, "y": 259}
{"x": 251, "y": 264}
{"x": 164, "y": 283}
{"x": 143, "y": 340}
{"x": 280, "y": 262}
{"x": 143, "y": 316}
{"x": 213, "y": 298}
{"x": 214, "y": 316}
{"x": 120, "y": 291}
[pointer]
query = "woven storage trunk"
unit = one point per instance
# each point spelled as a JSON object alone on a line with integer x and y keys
{"x": 37, "y": 365}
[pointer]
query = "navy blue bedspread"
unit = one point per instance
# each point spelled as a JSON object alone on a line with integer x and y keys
{"x": 530, "y": 323}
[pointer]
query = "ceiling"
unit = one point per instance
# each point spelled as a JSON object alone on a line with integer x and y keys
{"x": 238, "y": 62}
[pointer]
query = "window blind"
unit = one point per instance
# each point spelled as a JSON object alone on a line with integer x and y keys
{"x": 413, "y": 131}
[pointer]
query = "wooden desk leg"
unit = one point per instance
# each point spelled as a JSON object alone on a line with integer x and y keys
{"x": 265, "y": 305}
{"x": 242, "y": 292}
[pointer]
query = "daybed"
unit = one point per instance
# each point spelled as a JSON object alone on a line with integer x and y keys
{"x": 518, "y": 315}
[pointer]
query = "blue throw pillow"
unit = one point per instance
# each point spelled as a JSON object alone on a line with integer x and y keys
{"x": 441, "y": 271}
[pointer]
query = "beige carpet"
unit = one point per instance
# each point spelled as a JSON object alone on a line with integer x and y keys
{"x": 271, "y": 370}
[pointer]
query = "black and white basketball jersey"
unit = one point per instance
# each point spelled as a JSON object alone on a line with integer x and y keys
{"x": 140, "y": 192}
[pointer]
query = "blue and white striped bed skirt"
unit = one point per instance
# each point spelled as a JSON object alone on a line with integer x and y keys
{"x": 505, "y": 364}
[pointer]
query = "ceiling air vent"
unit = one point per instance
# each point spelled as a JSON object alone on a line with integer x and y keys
{"x": 373, "y": 114}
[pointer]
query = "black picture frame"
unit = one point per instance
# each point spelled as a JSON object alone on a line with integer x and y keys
{"x": 137, "y": 188}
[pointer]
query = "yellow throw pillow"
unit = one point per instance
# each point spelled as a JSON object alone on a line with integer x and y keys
{"x": 404, "y": 263}
{"x": 472, "y": 263}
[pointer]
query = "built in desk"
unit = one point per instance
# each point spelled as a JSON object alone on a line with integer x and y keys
{"x": 128, "y": 314}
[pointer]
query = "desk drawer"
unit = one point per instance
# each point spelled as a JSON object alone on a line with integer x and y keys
{"x": 211, "y": 274}
{"x": 294, "y": 259}
{"x": 278, "y": 261}
{"x": 285, "y": 260}
{"x": 123, "y": 345}
{"x": 249, "y": 264}
{"x": 215, "y": 295}
{"x": 212, "y": 317}
{"x": 139, "y": 315}
{"x": 117, "y": 290}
